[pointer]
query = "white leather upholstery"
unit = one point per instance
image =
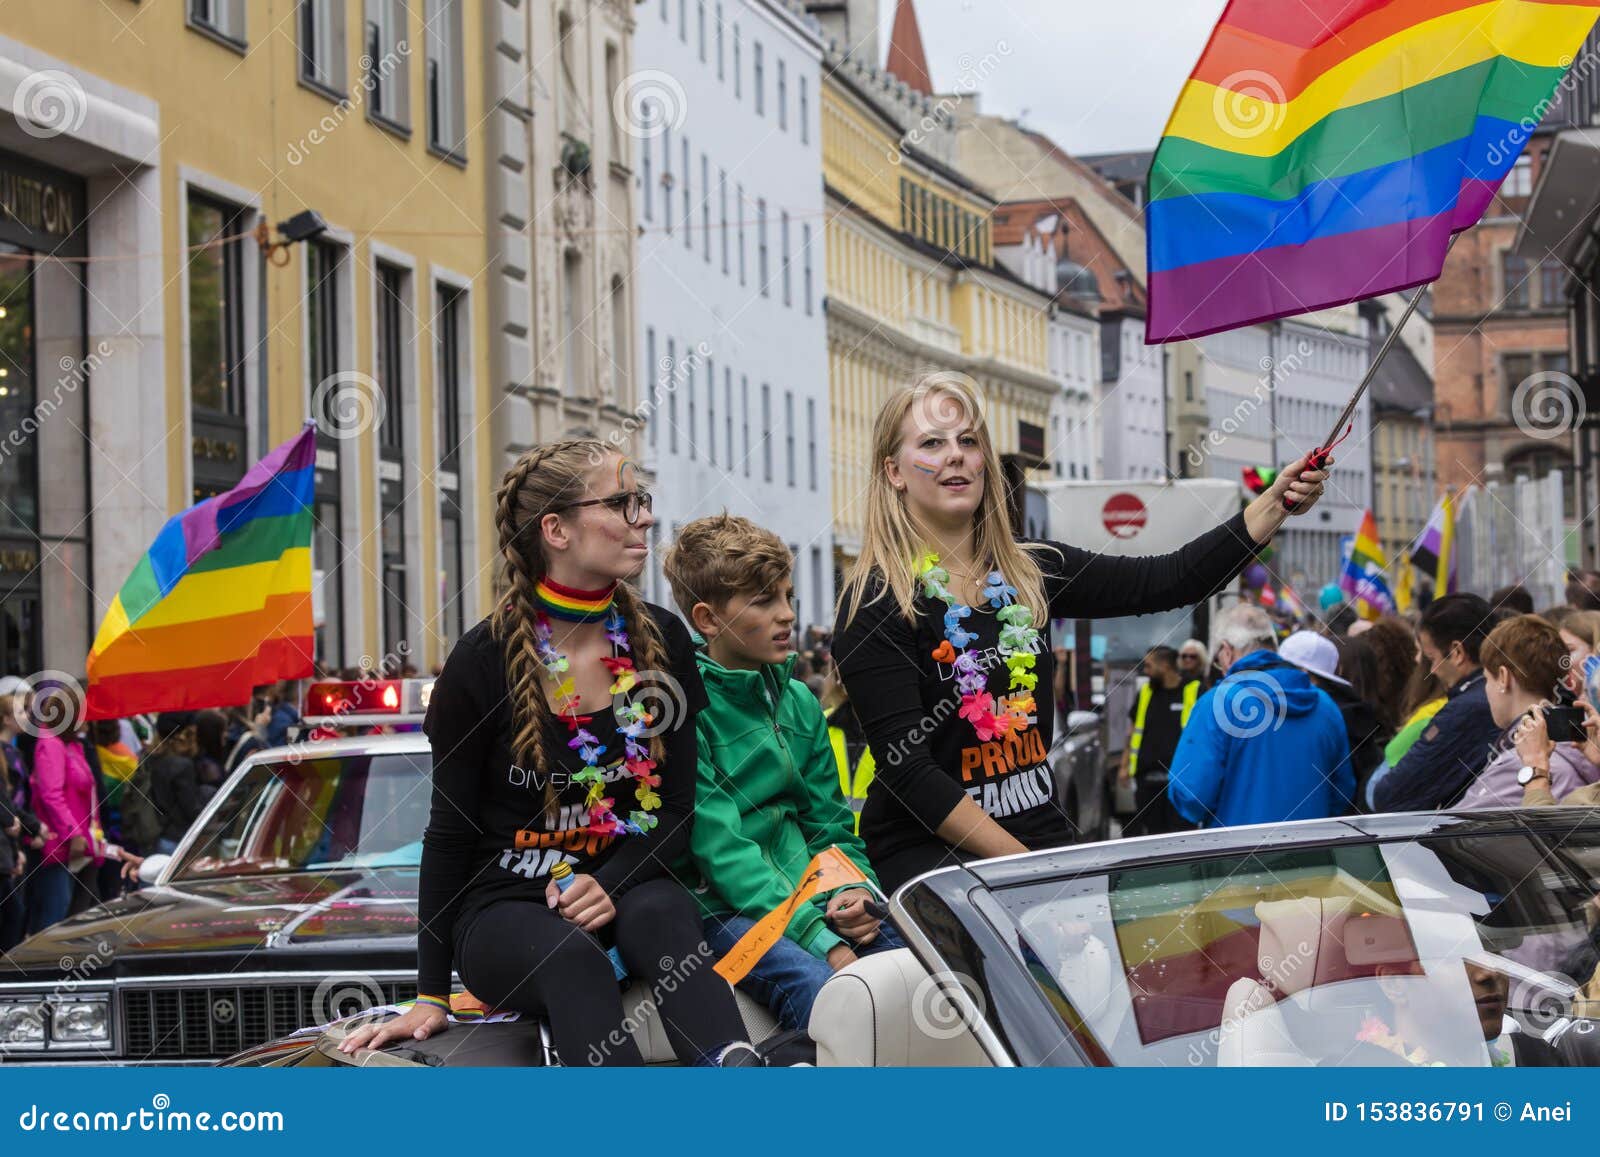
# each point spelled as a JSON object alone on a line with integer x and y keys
{"x": 886, "y": 1011}
{"x": 641, "y": 1018}
{"x": 1253, "y": 1033}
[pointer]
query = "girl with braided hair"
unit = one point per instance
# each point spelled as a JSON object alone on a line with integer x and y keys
{"x": 564, "y": 760}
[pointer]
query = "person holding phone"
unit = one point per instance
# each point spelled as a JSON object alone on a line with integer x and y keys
{"x": 1524, "y": 669}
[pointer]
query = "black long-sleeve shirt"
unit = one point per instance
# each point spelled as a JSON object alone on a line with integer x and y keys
{"x": 1457, "y": 744}
{"x": 489, "y": 837}
{"x": 927, "y": 757}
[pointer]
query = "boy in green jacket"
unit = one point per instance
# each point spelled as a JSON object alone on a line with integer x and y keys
{"x": 767, "y": 798}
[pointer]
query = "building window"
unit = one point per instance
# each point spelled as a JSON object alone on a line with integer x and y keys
{"x": 391, "y": 373}
{"x": 688, "y": 390}
{"x": 322, "y": 325}
{"x": 1188, "y": 385}
{"x": 646, "y": 172}
{"x": 811, "y": 441}
{"x": 323, "y": 264}
{"x": 388, "y": 72}
{"x": 573, "y": 338}
{"x": 819, "y": 606}
{"x": 221, "y": 18}
{"x": 783, "y": 95}
{"x": 766, "y": 432}
{"x": 1552, "y": 284}
{"x": 701, "y": 17}
{"x": 651, "y": 372}
{"x": 788, "y": 294}
{"x": 447, "y": 126}
{"x": 1519, "y": 181}
{"x": 738, "y": 68}
{"x": 763, "y": 270}
{"x": 744, "y": 390}
{"x": 739, "y": 208}
{"x": 448, "y": 331}
{"x": 688, "y": 239}
{"x": 805, "y": 243}
{"x": 216, "y": 307}
{"x": 321, "y": 29}
{"x": 720, "y": 71}
{"x": 621, "y": 347}
{"x": 671, "y": 369}
{"x": 1514, "y": 270}
{"x": 727, "y": 396}
{"x": 759, "y": 79}
{"x": 619, "y": 152}
{"x": 705, "y": 206}
{"x": 711, "y": 411}
{"x": 666, "y": 175}
{"x": 683, "y": 20}
{"x": 1514, "y": 370}
{"x": 788, "y": 435}
{"x": 805, "y": 111}
{"x": 722, "y": 196}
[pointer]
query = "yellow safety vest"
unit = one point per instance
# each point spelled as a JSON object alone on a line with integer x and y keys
{"x": 1191, "y": 692}
{"x": 854, "y": 785}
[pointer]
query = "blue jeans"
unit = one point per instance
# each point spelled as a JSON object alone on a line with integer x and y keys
{"x": 788, "y": 978}
{"x": 49, "y": 896}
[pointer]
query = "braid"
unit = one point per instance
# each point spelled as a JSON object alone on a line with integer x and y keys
{"x": 515, "y": 623}
{"x": 649, "y": 651}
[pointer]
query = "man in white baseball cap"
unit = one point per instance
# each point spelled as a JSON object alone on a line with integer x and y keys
{"x": 1314, "y": 654}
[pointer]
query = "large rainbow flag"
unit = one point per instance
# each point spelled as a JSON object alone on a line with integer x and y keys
{"x": 1325, "y": 151}
{"x": 1362, "y": 578}
{"x": 220, "y": 603}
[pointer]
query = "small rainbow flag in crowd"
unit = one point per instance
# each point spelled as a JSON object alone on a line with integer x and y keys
{"x": 1325, "y": 151}
{"x": 1291, "y": 602}
{"x": 220, "y": 603}
{"x": 1363, "y": 579}
{"x": 1434, "y": 553}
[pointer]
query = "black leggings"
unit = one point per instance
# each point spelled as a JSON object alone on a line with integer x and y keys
{"x": 521, "y": 955}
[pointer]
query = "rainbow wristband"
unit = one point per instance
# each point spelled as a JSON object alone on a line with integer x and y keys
{"x": 441, "y": 1002}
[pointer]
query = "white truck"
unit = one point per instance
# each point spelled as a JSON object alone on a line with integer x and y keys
{"x": 1135, "y": 518}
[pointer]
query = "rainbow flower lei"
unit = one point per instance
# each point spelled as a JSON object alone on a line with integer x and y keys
{"x": 990, "y": 717}
{"x": 632, "y": 719}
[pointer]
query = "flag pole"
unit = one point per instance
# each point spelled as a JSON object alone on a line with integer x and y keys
{"x": 1319, "y": 457}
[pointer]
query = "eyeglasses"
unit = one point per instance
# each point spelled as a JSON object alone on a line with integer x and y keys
{"x": 628, "y": 504}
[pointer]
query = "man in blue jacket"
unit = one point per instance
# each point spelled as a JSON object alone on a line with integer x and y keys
{"x": 1264, "y": 745}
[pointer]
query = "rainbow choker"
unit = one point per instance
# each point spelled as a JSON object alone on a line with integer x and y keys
{"x": 571, "y": 605}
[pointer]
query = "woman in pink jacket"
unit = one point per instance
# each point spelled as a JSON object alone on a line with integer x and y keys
{"x": 64, "y": 799}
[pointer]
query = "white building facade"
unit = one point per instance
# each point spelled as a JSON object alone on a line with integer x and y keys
{"x": 732, "y": 335}
{"x": 1131, "y": 401}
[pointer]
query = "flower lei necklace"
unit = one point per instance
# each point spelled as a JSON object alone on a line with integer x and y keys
{"x": 632, "y": 719}
{"x": 990, "y": 717}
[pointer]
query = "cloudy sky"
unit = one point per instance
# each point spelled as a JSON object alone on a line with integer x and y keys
{"x": 1095, "y": 75}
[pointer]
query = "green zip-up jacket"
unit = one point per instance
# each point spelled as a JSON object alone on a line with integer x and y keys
{"x": 767, "y": 799}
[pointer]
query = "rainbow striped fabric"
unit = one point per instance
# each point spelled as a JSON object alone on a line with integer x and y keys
{"x": 1324, "y": 151}
{"x": 1363, "y": 578}
{"x": 220, "y": 603}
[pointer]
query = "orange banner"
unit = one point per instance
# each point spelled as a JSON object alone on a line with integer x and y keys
{"x": 828, "y": 869}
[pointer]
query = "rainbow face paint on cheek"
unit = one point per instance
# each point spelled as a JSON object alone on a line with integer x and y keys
{"x": 925, "y": 466}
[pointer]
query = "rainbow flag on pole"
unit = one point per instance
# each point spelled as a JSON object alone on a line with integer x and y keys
{"x": 220, "y": 603}
{"x": 1324, "y": 151}
{"x": 1363, "y": 579}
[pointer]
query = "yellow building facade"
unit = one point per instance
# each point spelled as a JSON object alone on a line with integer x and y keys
{"x": 179, "y": 349}
{"x": 912, "y": 283}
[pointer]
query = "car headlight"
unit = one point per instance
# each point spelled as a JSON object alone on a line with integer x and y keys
{"x": 81, "y": 1022}
{"x": 22, "y": 1023}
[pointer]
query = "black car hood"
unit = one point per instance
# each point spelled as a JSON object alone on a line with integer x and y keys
{"x": 237, "y": 923}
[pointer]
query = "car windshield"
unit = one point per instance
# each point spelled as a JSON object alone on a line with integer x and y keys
{"x": 333, "y": 812}
{"x": 1472, "y": 950}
